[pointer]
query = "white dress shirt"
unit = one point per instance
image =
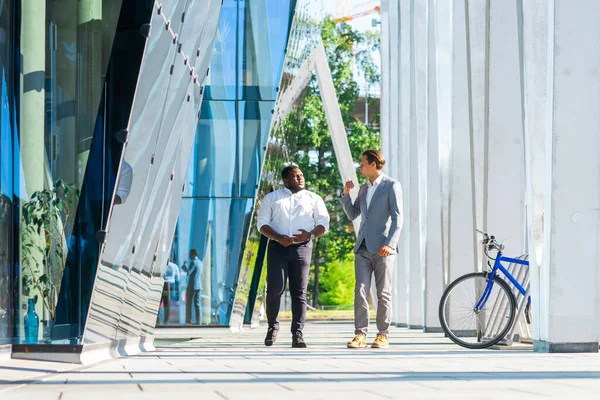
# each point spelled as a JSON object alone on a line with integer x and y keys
{"x": 286, "y": 213}
{"x": 172, "y": 273}
{"x": 371, "y": 188}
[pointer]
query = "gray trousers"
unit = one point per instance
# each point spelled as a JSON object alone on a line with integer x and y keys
{"x": 365, "y": 265}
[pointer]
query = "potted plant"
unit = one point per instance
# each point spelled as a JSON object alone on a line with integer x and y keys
{"x": 44, "y": 245}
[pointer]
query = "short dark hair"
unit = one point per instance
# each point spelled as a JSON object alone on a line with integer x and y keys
{"x": 375, "y": 156}
{"x": 286, "y": 171}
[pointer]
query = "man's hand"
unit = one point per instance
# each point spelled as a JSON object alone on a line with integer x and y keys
{"x": 285, "y": 240}
{"x": 348, "y": 187}
{"x": 302, "y": 237}
{"x": 385, "y": 251}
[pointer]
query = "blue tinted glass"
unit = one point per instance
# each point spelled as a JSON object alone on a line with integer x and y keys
{"x": 221, "y": 81}
{"x": 254, "y": 124}
{"x": 7, "y": 127}
{"x": 212, "y": 166}
{"x": 216, "y": 229}
{"x": 263, "y": 28}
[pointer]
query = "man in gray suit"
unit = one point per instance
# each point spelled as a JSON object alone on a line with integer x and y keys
{"x": 194, "y": 287}
{"x": 379, "y": 203}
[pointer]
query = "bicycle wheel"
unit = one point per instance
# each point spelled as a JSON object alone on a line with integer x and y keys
{"x": 222, "y": 313}
{"x": 471, "y": 329}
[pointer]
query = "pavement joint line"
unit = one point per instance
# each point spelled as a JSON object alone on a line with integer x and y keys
{"x": 221, "y": 395}
{"x": 378, "y": 394}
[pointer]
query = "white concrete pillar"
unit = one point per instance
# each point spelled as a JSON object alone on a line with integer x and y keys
{"x": 405, "y": 12}
{"x": 533, "y": 28}
{"x": 461, "y": 238}
{"x": 571, "y": 320}
{"x": 418, "y": 159}
{"x": 433, "y": 273}
{"x": 477, "y": 29}
{"x": 390, "y": 14}
{"x": 443, "y": 50}
{"x": 504, "y": 198}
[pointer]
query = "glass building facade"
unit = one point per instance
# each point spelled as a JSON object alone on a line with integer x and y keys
{"x": 132, "y": 133}
{"x": 227, "y": 156}
{"x": 100, "y": 102}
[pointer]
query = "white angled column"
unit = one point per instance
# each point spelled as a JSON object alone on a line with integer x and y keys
{"x": 569, "y": 267}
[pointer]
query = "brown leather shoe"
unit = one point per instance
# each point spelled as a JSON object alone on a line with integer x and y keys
{"x": 381, "y": 341}
{"x": 360, "y": 340}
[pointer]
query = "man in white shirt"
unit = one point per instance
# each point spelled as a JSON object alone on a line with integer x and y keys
{"x": 291, "y": 217}
{"x": 171, "y": 277}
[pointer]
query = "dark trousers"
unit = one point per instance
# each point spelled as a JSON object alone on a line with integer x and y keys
{"x": 193, "y": 299}
{"x": 166, "y": 298}
{"x": 284, "y": 262}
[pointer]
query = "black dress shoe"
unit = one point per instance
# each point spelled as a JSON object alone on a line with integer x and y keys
{"x": 271, "y": 337}
{"x": 298, "y": 342}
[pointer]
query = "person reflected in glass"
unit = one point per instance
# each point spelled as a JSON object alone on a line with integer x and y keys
{"x": 291, "y": 218}
{"x": 124, "y": 183}
{"x": 171, "y": 284}
{"x": 194, "y": 287}
{"x": 379, "y": 204}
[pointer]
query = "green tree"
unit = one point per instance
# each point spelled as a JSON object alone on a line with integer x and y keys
{"x": 346, "y": 50}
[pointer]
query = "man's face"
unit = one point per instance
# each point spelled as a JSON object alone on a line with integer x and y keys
{"x": 193, "y": 254}
{"x": 365, "y": 168}
{"x": 295, "y": 180}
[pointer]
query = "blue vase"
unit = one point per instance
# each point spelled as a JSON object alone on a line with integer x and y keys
{"x": 32, "y": 324}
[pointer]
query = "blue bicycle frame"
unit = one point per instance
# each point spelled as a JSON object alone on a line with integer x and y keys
{"x": 499, "y": 267}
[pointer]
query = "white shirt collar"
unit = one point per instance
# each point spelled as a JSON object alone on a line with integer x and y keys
{"x": 376, "y": 182}
{"x": 289, "y": 192}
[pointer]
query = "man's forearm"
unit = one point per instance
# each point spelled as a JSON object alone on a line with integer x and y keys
{"x": 318, "y": 231}
{"x": 269, "y": 232}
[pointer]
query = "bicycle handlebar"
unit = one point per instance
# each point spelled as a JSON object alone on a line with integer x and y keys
{"x": 490, "y": 243}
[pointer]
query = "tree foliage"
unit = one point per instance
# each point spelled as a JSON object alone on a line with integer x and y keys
{"x": 347, "y": 50}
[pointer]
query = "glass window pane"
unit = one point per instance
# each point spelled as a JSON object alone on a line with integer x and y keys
{"x": 216, "y": 230}
{"x": 262, "y": 41}
{"x": 221, "y": 80}
{"x": 212, "y": 166}
{"x": 255, "y": 121}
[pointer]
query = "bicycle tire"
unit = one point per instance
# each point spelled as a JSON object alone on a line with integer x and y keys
{"x": 223, "y": 312}
{"x": 455, "y": 336}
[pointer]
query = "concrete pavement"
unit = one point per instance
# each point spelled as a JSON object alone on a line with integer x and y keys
{"x": 238, "y": 366}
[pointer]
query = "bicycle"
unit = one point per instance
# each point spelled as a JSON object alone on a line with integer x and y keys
{"x": 478, "y": 309}
{"x": 222, "y": 311}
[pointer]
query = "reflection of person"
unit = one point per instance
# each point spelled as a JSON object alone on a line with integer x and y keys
{"x": 379, "y": 203}
{"x": 124, "y": 183}
{"x": 194, "y": 287}
{"x": 171, "y": 278}
{"x": 291, "y": 218}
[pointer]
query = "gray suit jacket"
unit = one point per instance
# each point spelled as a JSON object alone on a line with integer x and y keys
{"x": 195, "y": 272}
{"x": 382, "y": 223}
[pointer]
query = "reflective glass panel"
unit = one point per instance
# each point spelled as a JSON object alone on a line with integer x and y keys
{"x": 263, "y": 34}
{"x": 65, "y": 50}
{"x": 222, "y": 77}
{"x": 7, "y": 134}
{"x": 216, "y": 230}
{"x": 254, "y": 124}
{"x": 212, "y": 168}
